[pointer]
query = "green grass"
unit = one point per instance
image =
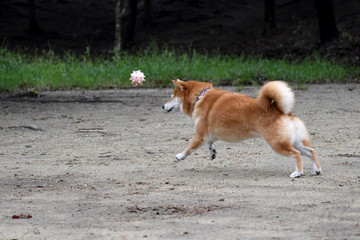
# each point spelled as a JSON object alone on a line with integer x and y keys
{"x": 47, "y": 71}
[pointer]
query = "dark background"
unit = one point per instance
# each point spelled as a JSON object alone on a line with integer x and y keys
{"x": 228, "y": 26}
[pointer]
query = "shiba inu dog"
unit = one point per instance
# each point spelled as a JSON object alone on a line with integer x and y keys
{"x": 232, "y": 117}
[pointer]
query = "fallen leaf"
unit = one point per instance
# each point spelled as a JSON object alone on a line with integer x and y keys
{"x": 21, "y": 216}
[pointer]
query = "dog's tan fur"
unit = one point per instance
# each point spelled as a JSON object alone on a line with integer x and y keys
{"x": 232, "y": 117}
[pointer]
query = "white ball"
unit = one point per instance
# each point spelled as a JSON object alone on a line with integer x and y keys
{"x": 137, "y": 77}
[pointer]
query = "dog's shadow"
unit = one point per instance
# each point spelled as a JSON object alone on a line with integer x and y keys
{"x": 237, "y": 172}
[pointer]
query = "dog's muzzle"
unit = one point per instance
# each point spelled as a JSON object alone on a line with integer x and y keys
{"x": 172, "y": 104}
{"x": 168, "y": 110}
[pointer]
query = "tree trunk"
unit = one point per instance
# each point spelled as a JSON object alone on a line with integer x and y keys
{"x": 195, "y": 2}
{"x": 120, "y": 10}
{"x": 269, "y": 20}
{"x": 327, "y": 23}
{"x": 131, "y": 23}
{"x": 147, "y": 12}
{"x": 34, "y": 27}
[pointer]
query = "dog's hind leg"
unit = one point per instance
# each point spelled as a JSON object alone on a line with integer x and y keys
{"x": 285, "y": 148}
{"x": 301, "y": 142}
{"x": 306, "y": 150}
{"x": 315, "y": 162}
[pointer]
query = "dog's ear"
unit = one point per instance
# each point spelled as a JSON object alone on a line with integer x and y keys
{"x": 178, "y": 83}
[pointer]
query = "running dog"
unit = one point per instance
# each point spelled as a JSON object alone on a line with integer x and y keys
{"x": 233, "y": 117}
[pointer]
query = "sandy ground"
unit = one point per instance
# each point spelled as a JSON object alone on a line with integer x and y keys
{"x": 101, "y": 165}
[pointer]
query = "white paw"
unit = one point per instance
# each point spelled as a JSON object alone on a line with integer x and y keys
{"x": 316, "y": 171}
{"x": 296, "y": 174}
{"x": 180, "y": 156}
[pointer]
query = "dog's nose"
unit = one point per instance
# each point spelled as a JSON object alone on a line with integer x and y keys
{"x": 163, "y": 107}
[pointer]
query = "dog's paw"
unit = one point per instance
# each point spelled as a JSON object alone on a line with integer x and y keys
{"x": 316, "y": 172}
{"x": 212, "y": 153}
{"x": 180, "y": 156}
{"x": 296, "y": 174}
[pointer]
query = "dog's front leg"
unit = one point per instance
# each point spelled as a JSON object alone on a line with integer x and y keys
{"x": 212, "y": 150}
{"x": 195, "y": 143}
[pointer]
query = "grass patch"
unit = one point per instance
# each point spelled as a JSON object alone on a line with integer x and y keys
{"x": 48, "y": 71}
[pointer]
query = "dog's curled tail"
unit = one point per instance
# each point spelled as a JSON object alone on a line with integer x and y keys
{"x": 276, "y": 94}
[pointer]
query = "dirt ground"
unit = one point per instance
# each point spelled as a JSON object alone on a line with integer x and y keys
{"x": 101, "y": 165}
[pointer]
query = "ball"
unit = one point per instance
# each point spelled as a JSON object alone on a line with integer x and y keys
{"x": 137, "y": 78}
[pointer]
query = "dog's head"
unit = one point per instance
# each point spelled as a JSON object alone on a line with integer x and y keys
{"x": 184, "y": 95}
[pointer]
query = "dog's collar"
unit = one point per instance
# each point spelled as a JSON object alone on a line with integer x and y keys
{"x": 202, "y": 94}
